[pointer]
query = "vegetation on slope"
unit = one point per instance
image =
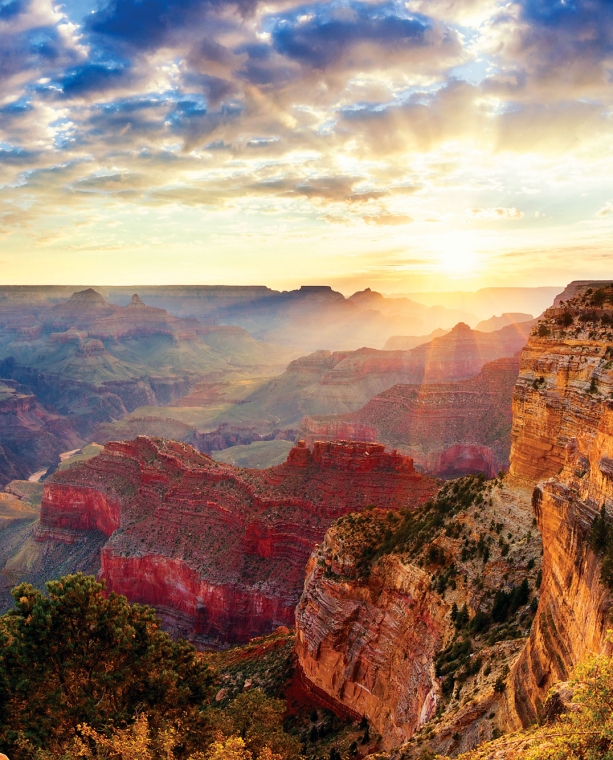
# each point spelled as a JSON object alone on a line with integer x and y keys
{"x": 85, "y": 674}
{"x": 477, "y": 542}
{"x": 579, "y": 729}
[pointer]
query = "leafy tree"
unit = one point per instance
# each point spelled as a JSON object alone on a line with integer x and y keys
{"x": 78, "y": 656}
{"x": 234, "y": 748}
{"x": 258, "y": 720}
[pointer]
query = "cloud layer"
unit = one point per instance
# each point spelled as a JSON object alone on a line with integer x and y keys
{"x": 282, "y": 119}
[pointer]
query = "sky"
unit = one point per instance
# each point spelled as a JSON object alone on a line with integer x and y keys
{"x": 411, "y": 145}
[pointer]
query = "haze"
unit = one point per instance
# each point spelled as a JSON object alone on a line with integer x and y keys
{"x": 442, "y": 145}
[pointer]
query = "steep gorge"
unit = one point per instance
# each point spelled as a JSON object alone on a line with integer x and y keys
{"x": 351, "y": 637}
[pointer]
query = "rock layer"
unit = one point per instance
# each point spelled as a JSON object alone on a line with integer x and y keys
{"x": 563, "y": 432}
{"x": 371, "y": 621}
{"x": 449, "y": 429}
{"x": 219, "y": 550}
{"x": 352, "y": 641}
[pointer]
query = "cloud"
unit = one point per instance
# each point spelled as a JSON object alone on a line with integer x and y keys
{"x": 337, "y": 107}
{"x": 321, "y": 36}
{"x": 388, "y": 219}
{"x": 606, "y": 210}
{"x": 493, "y": 214}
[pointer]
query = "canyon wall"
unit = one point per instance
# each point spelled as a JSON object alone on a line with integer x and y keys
{"x": 449, "y": 429}
{"x": 218, "y": 550}
{"x": 563, "y": 436}
{"x": 377, "y": 630}
{"x": 32, "y": 437}
{"x": 562, "y": 463}
{"x": 353, "y": 639}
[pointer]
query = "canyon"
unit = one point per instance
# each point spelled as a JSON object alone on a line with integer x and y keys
{"x": 368, "y": 625}
{"x": 449, "y": 429}
{"x": 305, "y": 319}
{"x": 218, "y": 550}
{"x": 342, "y": 381}
{"x": 83, "y": 362}
{"x": 31, "y": 435}
{"x": 442, "y": 613}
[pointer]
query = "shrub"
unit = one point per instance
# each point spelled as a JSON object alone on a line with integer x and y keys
{"x": 76, "y": 656}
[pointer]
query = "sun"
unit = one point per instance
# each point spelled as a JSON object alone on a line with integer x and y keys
{"x": 457, "y": 257}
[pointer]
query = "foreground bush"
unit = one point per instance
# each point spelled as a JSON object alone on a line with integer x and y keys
{"x": 584, "y": 732}
{"x": 86, "y": 674}
{"x": 77, "y": 656}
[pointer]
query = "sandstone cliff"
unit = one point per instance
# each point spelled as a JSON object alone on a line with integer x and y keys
{"x": 563, "y": 433}
{"x": 412, "y": 621}
{"x": 562, "y": 454}
{"x": 449, "y": 429}
{"x": 220, "y": 551}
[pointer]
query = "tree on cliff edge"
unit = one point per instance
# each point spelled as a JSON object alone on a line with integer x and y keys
{"x": 78, "y": 656}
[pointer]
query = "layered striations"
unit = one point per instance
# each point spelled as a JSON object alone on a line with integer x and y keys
{"x": 220, "y": 551}
{"x": 563, "y": 434}
{"x": 378, "y": 628}
{"x": 449, "y": 429}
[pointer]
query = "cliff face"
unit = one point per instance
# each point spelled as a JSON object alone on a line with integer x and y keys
{"x": 562, "y": 454}
{"x": 449, "y": 429}
{"x": 353, "y": 639}
{"x": 377, "y": 626}
{"x": 219, "y": 550}
{"x": 563, "y": 433}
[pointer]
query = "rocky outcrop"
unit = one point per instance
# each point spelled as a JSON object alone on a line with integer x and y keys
{"x": 353, "y": 640}
{"x": 449, "y": 429}
{"x": 563, "y": 434}
{"x": 375, "y": 630}
{"x": 562, "y": 451}
{"x": 220, "y": 551}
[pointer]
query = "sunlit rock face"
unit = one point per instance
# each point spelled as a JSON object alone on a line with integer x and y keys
{"x": 219, "y": 550}
{"x": 563, "y": 437}
{"x": 355, "y": 637}
{"x": 449, "y": 429}
{"x": 371, "y": 646}
{"x": 369, "y": 624}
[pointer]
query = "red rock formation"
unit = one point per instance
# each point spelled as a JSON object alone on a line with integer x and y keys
{"x": 352, "y": 641}
{"x": 449, "y": 429}
{"x": 221, "y": 551}
{"x": 341, "y": 382}
{"x": 563, "y": 431}
{"x": 367, "y": 637}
